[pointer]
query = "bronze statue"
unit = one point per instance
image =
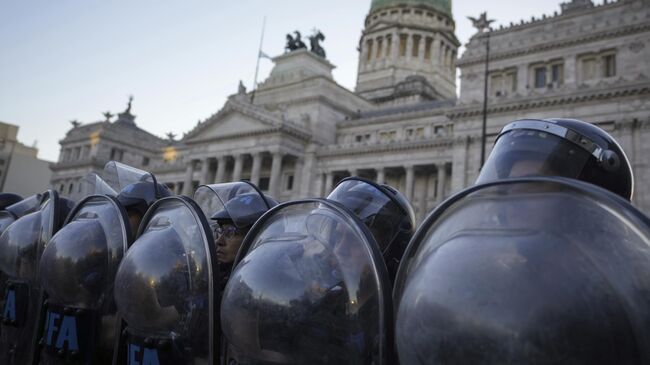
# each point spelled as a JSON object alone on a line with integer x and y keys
{"x": 75, "y": 123}
{"x": 108, "y": 116}
{"x": 128, "y": 108}
{"x": 171, "y": 136}
{"x": 482, "y": 24}
{"x": 315, "y": 40}
{"x": 294, "y": 43}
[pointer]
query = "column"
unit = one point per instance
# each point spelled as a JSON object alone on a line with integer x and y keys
{"x": 255, "y": 170}
{"x": 205, "y": 170}
{"x": 442, "y": 180}
{"x": 329, "y": 181}
{"x": 410, "y": 177}
{"x": 236, "y": 173}
{"x": 422, "y": 48}
{"x": 319, "y": 185}
{"x": 221, "y": 169}
{"x": 381, "y": 175}
{"x": 187, "y": 184}
{"x": 394, "y": 48}
{"x": 353, "y": 172}
{"x": 297, "y": 177}
{"x": 276, "y": 169}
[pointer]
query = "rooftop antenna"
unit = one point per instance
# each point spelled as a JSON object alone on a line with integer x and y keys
{"x": 260, "y": 54}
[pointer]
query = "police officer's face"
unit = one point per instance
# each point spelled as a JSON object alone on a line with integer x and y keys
{"x": 228, "y": 239}
{"x": 134, "y": 220}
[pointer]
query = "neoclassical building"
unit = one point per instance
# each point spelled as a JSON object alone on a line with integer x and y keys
{"x": 301, "y": 132}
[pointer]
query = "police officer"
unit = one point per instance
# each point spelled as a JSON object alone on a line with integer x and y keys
{"x": 560, "y": 147}
{"x": 229, "y": 232}
{"x": 543, "y": 261}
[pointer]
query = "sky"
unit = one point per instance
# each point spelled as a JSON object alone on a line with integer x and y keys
{"x": 75, "y": 59}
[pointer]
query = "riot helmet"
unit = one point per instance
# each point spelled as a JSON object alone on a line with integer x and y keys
{"x": 25, "y": 206}
{"x": 560, "y": 147}
{"x": 7, "y": 199}
{"x": 384, "y": 210}
{"x": 138, "y": 189}
{"x": 540, "y": 270}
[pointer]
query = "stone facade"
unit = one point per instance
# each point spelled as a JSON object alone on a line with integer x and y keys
{"x": 300, "y": 132}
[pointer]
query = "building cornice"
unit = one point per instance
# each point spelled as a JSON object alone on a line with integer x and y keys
{"x": 476, "y": 110}
{"x": 87, "y": 163}
{"x": 398, "y": 146}
{"x": 591, "y": 37}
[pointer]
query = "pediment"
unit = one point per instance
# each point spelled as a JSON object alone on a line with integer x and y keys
{"x": 232, "y": 123}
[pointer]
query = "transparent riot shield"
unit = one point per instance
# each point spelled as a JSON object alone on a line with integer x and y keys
{"x": 77, "y": 271}
{"x": 92, "y": 184}
{"x": 119, "y": 176}
{"x": 309, "y": 287}
{"x": 536, "y": 270}
{"x": 21, "y": 246}
{"x": 164, "y": 289}
{"x": 213, "y": 198}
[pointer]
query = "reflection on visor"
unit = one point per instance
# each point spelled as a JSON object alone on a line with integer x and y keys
{"x": 524, "y": 153}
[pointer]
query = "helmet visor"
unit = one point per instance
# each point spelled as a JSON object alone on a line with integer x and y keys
{"x": 524, "y": 152}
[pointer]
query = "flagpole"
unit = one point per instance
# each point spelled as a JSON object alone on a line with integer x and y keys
{"x": 259, "y": 56}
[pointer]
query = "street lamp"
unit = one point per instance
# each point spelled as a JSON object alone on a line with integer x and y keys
{"x": 482, "y": 24}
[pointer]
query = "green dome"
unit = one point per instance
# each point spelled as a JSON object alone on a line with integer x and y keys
{"x": 443, "y": 6}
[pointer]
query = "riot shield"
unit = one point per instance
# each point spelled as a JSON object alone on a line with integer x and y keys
{"x": 92, "y": 184}
{"x": 77, "y": 272}
{"x": 14, "y": 211}
{"x": 535, "y": 270}
{"x": 213, "y": 198}
{"x": 21, "y": 247}
{"x": 119, "y": 176}
{"x": 309, "y": 287}
{"x": 164, "y": 289}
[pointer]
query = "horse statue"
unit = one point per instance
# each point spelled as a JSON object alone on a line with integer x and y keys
{"x": 314, "y": 41}
{"x": 295, "y": 42}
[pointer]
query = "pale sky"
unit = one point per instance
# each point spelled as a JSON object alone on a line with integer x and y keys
{"x": 63, "y": 60}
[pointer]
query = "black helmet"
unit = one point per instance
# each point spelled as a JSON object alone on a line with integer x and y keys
{"x": 560, "y": 147}
{"x": 141, "y": 195}
{"x": 248, "y": 208}
{"x": 7, "y": 199}
{"x": 384, "y": 210}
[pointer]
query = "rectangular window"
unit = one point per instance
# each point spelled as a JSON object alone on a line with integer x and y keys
{"x": 389, "y": 44}
{"x": 264, "y": 183}
{"x": 511, "y": 81}
{"x": 409, "y": 132}
{"x": 427, "y": 48}
{"x": 588, "y": 68}
{"x": 438, "y": 129}
{"x": 416, "y": 45}
{"x": 540, "y": 77}
{"x": 557, "y": 74}
{"x": 369, "y": 47}
{"x": 380, "y": 44}
{"x": 609, "y": 65}
{"x": 496, "y": 87}
{"x": 402, "y": 44}
{"x": 289, "y": 183}
{"x": 145, "y": 161}
{"x": 419, "y": 133}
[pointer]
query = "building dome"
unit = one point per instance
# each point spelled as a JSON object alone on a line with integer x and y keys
{"x": 443, "y": 6}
